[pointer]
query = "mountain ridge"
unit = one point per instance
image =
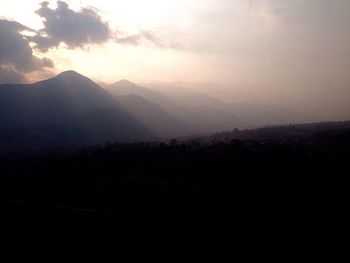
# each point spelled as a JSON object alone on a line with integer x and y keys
{"x": 68, "y": 109}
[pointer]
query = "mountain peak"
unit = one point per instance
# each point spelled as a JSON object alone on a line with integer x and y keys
{"x": 70, "y": 80}
{"x": 72, "y": 77}
{"x": 124, "y": 82}
{"x": 70, "y": 74}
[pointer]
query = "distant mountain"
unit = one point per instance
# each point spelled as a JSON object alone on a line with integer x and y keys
{"x": 125, "y": 87}
{"x": 68, "y": 109}
{"x": 210, "y": 111}
{"x": 71, "y": 109}
{"x": 243, "y": 115}
{"x": 184, "y": 106}
{"x": 155, "y": 118}
{"x": 152, "y": 108}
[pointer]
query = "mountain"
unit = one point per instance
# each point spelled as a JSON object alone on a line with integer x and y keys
{"x": 241, "y": 115}
{"x": 125, "y": 87}
{"x": 68, "y": 109}
{"x": 184, "y": 106}
{"x": 212, "y": 113}
{"x": 153, "y": 109}
{"x": 244, "y": 115}
{"x": 155, "y": 118}
{"x": 71, "y": 109}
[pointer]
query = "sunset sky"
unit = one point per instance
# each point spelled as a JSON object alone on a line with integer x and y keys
{"x": 286, "y": 52}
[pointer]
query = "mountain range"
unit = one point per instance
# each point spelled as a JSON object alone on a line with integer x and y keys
{"x": 72, "y": 110}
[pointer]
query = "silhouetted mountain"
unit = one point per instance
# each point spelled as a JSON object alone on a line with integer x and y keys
{"x": 71, "y": 109}
{"x": 154, "y": 117}
{"x": 66, "y": 109}
{"x": 184, "y": 106}
{"x": 243, "y": 115}
{"x": 213, "y": 114}
{"x": 125, "y": 87}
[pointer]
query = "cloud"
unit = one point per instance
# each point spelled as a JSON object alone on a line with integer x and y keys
{"x": 81, "y": 28}
{"x": 320, "y": 12}
{"x": 9, "y": 75}
{"x": 16, "y": 55}
{"x": 158, "y": 41}
{"x": 74, "y": 28}
{"x": 142, "y": 37}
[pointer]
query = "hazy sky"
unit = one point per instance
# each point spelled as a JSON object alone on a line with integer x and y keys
{"x": 294, "y": 53}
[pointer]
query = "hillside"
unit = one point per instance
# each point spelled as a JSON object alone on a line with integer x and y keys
{"x": 283, "y": 196}
{"x": 62, "y": 111}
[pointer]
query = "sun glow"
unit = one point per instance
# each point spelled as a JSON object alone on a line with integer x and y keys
{"x": 138, "y": 13}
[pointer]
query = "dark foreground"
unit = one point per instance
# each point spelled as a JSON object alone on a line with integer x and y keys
{"x": 272, "y": 196}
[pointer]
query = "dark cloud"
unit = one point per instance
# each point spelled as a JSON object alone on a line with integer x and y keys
{"x": 79, "y": 28}
{"x": 16, "y": 55}
{"x": 74, "y": 28}
{"x": 129, "y": 40}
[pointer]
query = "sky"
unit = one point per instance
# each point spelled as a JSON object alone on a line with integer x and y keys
{"x": 293, "y": 53}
